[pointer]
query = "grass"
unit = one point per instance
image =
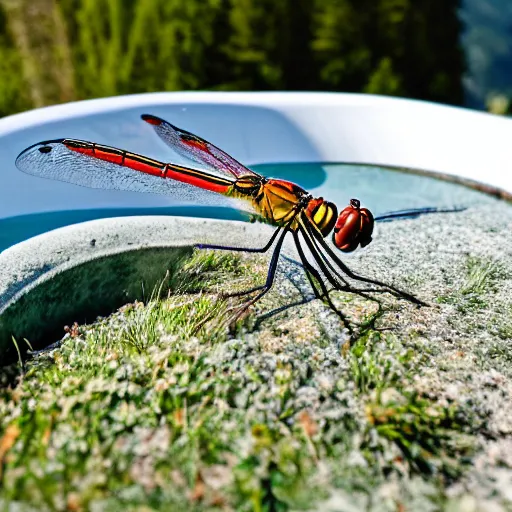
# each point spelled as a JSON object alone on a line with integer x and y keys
{"x": 166, "y": 406}
{"x": 481, "y": 276}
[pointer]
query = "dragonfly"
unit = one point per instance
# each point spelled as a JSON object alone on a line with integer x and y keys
{"x": 221, "y": 180}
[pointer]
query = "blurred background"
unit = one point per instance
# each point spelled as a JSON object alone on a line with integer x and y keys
{"x": 451, "y": 51}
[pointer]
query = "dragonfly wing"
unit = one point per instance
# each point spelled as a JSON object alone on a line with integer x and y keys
{"x": 197, "y": 149}
{"x": 102, "y": 167}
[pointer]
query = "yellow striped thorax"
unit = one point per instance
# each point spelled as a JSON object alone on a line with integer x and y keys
{"x": 323, "y": 214}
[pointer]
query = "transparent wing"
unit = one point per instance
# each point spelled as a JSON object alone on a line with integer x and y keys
{"x": 197, "y": 149}
{"x": 103, "y": 167}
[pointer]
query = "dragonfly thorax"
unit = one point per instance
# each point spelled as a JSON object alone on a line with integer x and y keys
{"x": 249, "y": 185}
{"x": 278, "y": 201}
{"x": 323, "y": 214}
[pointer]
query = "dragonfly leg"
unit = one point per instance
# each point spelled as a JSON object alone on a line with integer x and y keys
{"x": 321, "y": 258}
{"x": 331, "y": 273}
{"x": 393, "y": 290}
{"x": 241, "y": 249}
{"x": 337, "y": 287}
{"x": 312, "y": 271}
{"x": 273, "y": 263}
{"x": 317, "y": 295}
{"x": 263, "y": 289}
{"x": 328, "y": 270}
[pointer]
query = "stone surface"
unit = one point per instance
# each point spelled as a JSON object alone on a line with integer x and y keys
{"x": 454, "y": 354}
{"x": 79, "y": 272}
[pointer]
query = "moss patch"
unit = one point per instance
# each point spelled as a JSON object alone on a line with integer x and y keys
{"x": 166, "y": 405}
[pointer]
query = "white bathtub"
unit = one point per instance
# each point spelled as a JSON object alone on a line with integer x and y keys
{"x": 259, "y": 128}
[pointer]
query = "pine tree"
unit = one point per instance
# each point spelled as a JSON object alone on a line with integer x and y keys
{"x": 59, "y": 50}
{"x": 390, "y": 47}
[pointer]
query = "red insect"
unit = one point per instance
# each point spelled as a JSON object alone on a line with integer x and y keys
{"x": 225, "y": 181}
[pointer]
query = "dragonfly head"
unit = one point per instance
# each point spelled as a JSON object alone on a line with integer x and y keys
{"x": 354, "y": 227}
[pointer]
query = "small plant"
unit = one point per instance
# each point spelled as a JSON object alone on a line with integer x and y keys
{"x": 429, "y": 436}
{"x": 481, "y": 278}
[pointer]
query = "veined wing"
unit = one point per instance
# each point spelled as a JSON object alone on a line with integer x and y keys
{"x": 96, "y": 166}
{"x": 197, "y": 149}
